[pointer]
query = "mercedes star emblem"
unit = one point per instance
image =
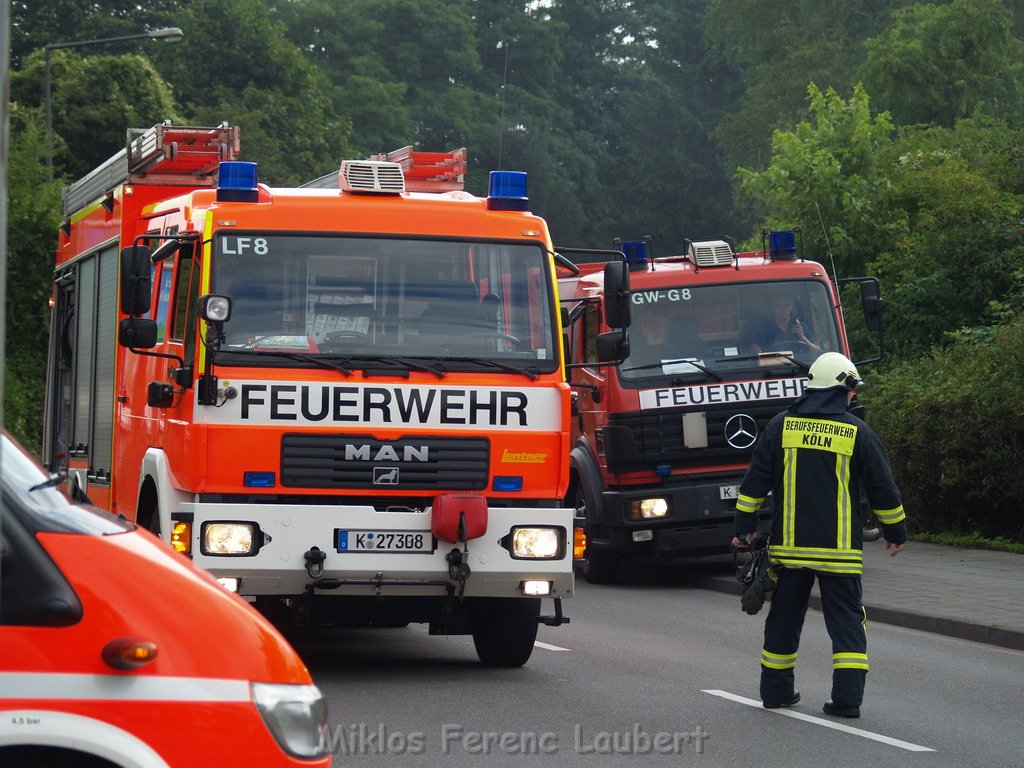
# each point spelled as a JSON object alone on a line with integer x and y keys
{"x": 741, "y": 431}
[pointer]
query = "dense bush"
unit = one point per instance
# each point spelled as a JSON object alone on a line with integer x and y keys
{"x": 953, "y": 424}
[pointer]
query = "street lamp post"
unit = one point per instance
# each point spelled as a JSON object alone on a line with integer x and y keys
{"x": 170, "y": 34}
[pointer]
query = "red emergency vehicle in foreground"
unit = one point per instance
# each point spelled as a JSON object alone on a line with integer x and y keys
{"x": 115, "y": 651}
{"x": 346, "y": 401}
{"x": 719, "y": 342}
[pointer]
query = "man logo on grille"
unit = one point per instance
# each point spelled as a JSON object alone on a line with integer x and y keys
{"x": 741, "y": 431}
{"x": 385, "y": 475}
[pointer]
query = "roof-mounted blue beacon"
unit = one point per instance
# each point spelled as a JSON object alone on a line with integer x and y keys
{"x": 507, "y": 191}
{"x": 237, "y": 182}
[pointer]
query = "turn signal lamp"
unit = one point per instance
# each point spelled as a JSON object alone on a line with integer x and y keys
{"x": 128, "y": 653}
{"x": 579, "y": 543}
{"x": 181, "y": 537}
{"x": 237, "y": 182}
{"x": 506, "y": 191}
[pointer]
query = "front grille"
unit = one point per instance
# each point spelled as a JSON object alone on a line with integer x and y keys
{"x": 357, "y": 461}
{"x": 658, "y": 435}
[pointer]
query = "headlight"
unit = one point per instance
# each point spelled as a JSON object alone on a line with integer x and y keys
{"x": 230, "y": 539}
{"x": 537, "y": 543}
{"x": 296, "y": 715}
{"x": 645, "y": 509}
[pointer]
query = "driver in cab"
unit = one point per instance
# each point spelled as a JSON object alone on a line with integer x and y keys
{"x": 781, "y": 332}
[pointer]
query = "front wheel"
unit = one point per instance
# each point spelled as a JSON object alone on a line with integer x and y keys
{"x": 504, "y": 629}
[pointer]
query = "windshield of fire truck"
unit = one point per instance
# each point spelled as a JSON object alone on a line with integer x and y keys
{"x": 727, "y": 327}
{"x": 351, "y": 296}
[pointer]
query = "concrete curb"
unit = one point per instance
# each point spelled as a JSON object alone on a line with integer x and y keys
{"x": 941, "y": 625}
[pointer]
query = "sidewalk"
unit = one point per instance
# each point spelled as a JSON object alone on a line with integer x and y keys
{"x": 972, "y": 594}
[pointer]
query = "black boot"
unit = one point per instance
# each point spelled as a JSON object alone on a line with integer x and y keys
{"x": 841, "y": 710}
{"x": 785, "y": 703}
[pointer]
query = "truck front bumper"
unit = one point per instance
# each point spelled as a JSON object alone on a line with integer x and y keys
{"x": 281, "y": 565}
{"x": 700, "y": 520}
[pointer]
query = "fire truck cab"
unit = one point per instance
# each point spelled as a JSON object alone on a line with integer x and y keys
{"x": 718, "y": 344}
{"x": 345, "y": 400}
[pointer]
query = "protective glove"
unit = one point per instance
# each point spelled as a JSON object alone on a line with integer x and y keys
{"x": 758, "y": 579}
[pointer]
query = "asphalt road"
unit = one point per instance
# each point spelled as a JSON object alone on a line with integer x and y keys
{"x": 627, "y": 683}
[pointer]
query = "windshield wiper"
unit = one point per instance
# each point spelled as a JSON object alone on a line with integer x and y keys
{"x": 763, "y": 355}
{"x": 530, "y": 371}
{"x": 688, "y": 361}
{"x": 307, "y": 358}
{"x": 437, "y": 369}
{"x": 52, "y": 481}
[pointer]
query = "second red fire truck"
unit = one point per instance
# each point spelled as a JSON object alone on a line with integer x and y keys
{"x": 719, "y": 343}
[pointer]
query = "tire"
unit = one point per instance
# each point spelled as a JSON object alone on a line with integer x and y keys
{"x": 601, "y": 566}
{"x": 504, "y": 630}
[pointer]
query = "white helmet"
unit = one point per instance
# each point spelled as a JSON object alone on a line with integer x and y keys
{"x": 833, "y": 370}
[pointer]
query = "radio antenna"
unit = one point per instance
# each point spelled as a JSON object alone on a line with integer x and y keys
{"x": 831, "y": 258}
{"x": 501, "y": 123}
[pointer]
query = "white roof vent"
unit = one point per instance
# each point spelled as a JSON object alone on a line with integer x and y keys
{"x": 371, "y": 176}
{"x": 711, "y": 253}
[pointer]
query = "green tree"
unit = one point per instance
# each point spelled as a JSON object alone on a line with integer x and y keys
{"x": 957, "y": 264}
{"x": 778, "y": 47}
{"x": 939, "y": 63}
{"x": 95, "y": 99}
{"x": 829, "y": 176}
{"x": 33, "y": 216}
{"x": 236, "y": 64}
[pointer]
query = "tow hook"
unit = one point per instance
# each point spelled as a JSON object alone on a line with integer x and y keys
{"x": 315, "y": 558}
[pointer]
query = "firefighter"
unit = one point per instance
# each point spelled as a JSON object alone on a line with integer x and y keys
{"x": 815, "y": 457}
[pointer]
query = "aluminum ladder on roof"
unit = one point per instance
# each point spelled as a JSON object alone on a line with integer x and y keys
{"x": 165, "y": 154}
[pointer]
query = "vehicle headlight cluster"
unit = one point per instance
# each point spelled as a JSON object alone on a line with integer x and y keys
{"x": 296, "y": 715}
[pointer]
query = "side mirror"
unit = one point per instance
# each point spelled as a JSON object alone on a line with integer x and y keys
{"x": 612, "y": 347}
{"x": 136, "y": 280}
{"x": 137, "y": 333}
{"x": 873, "y": 305}
{"x": 616, "y": 294}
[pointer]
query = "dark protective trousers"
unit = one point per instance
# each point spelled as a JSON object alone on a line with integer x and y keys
{"x": 845, "y": 621}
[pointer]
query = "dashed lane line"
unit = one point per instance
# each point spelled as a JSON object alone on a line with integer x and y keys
{"x": 826, "y": 723}
{"x": 548, "y": 647}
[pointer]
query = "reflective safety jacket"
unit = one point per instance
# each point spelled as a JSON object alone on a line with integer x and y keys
{"x": 815, "y": 465}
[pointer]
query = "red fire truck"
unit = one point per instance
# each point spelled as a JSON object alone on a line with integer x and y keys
{"x": 718, "y": 344}
{"x": 346, "y": 403}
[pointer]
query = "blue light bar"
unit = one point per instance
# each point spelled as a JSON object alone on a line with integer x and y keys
{"x": 506, "y": 191}
{"x": 782, "y": 245}
{"x": 237, "y": 182}
{"x": 636, "y": 253}
{"x": 663, "y": 470}
{"x": 259, "y": 479}
{"x": 507, "y": 483}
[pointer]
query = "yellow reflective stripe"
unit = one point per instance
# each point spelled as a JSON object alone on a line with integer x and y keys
{"x": 843, "y": 532}
{"x": 831, "y": 554}
{"x": 819, "y": 435}
{"x": 850, "y": 661}
{"x": 748, "y": 503}
{"x": 890, "y": 516}
{"x": 789, "y": 492}
{"x": 850, "y": 569}
{"x": 778, "y": 660}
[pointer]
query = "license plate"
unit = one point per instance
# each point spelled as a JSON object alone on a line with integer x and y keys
{"x": 383, "y": 541}
{"x": 729, "y": 492}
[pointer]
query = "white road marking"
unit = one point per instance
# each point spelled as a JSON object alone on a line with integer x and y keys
{"x": 547, "y": 647}
{"x": 827, "y": 723}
